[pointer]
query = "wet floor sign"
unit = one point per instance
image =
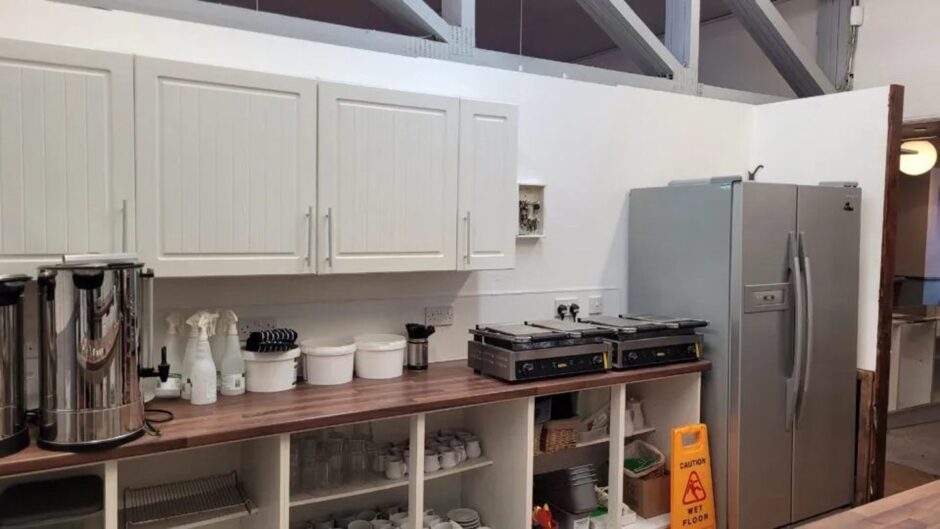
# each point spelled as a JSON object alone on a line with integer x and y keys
{"x": 692, "y": 505}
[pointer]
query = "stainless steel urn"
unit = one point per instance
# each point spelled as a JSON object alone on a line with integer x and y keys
{"x": 91, "y": 314}
{"x": 14, "y": 435}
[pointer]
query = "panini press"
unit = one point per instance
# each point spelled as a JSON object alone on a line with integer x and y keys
{"x": 648, "y": 340}
{"x": 538, "y": 349}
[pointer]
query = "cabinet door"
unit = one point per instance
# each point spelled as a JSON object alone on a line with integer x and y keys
{"x": 66, "y": 154}
{"x": 387, "y": 180}
{"x": 488, "y": 189}
{"x": 227, "y": 170}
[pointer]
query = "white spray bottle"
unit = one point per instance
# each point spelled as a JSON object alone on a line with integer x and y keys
{"x": 233, "y": 364}
{"x": 190, "y": 356}
{"x": 202, "y": 375}
{"x": 217, "y": 336}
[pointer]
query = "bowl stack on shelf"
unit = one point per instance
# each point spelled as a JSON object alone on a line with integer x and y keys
{"x": 465, "y": 518}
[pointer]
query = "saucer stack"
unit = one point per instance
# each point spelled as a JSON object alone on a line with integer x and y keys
{"x": 465, "y": 518}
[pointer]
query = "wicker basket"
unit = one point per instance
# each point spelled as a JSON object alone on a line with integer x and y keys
{"x": 537, "y": 438}
{"x": 560, "y": 435}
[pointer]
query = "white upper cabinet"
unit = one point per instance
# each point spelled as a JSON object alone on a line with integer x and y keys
{"x": 488, "y": 196}
{"x": 226, "y": 170}
{"x": 387, "y": 180}
{"x": 66, "y": 154}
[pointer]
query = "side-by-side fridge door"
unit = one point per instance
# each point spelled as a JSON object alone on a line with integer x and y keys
{"x": 761, "y": 447}
{"x": 824, "y": 425}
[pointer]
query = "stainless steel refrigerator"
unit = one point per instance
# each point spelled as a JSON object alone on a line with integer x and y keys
{"x": 774, "y": 269}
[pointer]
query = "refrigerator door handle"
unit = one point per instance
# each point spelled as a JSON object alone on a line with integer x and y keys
{"x": 809, "y": 328}
{"x": 794, "y": 382}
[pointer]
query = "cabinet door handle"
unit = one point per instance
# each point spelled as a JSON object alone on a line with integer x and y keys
{"x": 329, "y": 236}
{"x": 124, "y": 225}
{"x": 309, "y": 217}
{"x": 467, "y": 237}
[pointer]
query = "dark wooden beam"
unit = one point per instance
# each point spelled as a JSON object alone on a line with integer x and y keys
{"x": 886, "y": 291}
{"x": 866, "y": 438}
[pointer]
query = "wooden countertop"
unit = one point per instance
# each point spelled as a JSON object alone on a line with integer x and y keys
{"x": 444, "y": 385}
{"x": 911, "y": 509}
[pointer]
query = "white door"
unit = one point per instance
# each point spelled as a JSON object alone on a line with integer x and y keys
{"x": 226, "y": 170}
{"x": 488, "y": 190}
{"x": 387, "y": 180}
{"x": 66, "y": 154}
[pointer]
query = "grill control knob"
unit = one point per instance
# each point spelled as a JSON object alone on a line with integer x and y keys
{"x": 528, "y": 367}
{"x": 597, "y": 360}
{"x": 633, "y": 356}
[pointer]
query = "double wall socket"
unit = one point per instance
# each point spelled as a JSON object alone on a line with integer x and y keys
{"x": 567, "y": 303}
{"x": 439, "y": 316}
{"x": 247, "y": 326}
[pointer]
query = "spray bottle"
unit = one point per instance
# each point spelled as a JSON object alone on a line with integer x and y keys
{"x": 190, "y": 356}
{"x": 202, "y": 375}
{"x": 173, "y": 385}
{"x": 233, "y": 364}
{"x": 217, "y": 336}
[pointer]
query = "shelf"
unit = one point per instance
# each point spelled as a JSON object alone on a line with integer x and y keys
{"x": 657, "y": 522}
{"x": 378, "y": 484}
{"x": 603, "y": 440}
{"x": 190, "y": 521}
{"x": 470, "y": 464}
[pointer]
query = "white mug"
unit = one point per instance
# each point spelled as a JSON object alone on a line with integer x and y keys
{"x": 359, "y": 524}
{"x": 395, "y": 469}
{"x": 431, "y": 519}
{"x": 628, "y": 422}
{"x": 381, "y": 524}
{"x": 473, "y": 448}
{"x": 432, "y": 462}
{"x": 398, "y": 518}
{"x": 448, "y": 458}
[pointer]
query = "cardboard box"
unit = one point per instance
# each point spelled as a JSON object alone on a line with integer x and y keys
{"x": 648, "y": 496}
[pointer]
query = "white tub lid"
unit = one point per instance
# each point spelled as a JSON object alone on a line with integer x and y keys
{"x": 380, "y": 342}
{"x": 251, "y": 356}
{"x": 328, "y": 347}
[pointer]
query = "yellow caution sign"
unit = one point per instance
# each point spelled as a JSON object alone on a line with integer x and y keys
{"x": 692, "y": 505}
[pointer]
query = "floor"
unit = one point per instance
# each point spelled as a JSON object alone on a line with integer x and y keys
{"x": 913, "y": 456}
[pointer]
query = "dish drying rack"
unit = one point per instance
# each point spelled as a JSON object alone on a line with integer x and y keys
{"x": 189, "y": 503}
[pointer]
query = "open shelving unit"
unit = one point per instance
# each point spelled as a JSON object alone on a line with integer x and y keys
{"x": 498, "y": 484}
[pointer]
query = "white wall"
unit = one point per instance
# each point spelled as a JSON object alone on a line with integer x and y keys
{"x": 898, "y": 44}
{"x": 589, "y": 143}
{"x": 806, "y": 141}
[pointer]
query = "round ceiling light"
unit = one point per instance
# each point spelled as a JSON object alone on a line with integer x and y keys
{"x": 921, "y": 161}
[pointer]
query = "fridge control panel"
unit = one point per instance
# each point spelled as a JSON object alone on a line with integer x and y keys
{"x": 765, "y": 298}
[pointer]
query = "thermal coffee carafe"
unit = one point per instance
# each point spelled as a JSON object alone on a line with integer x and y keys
{"x": 416, "y": 353}
{"x": 14, "y": 435}
{"x": 95, "y": 325}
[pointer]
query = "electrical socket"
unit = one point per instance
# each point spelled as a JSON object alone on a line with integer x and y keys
{"x": 439, "y": 316}
{"x": 247, "y": 326}
{"x": 595, "y": 305}
{"x": 563, "y": 301}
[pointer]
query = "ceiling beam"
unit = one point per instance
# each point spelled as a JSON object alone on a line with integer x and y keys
{"x": 633, "y": 36}
{"x": 682, "y": 30}
{"x": 775, "y": 37}
{"x": 459, "y": 12}
{"x": 418, "y": 16}
{"x": 834, "y": 32}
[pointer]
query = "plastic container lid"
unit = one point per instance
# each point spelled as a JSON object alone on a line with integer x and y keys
{"x": 251, "y": 356}
{"x": 380, "y": 342}
{"x": 328, "y": 347}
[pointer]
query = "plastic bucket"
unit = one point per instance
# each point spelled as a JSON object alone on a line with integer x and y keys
{"x": 328, "y": 362}
{"x": 380, "y": 356}
{"x": 270, "y": 372}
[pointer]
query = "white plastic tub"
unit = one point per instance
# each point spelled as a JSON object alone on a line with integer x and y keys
{"x": 270, "y": 372}
{"x": 380, "y": 355}
{"x": 328, "y": 362}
